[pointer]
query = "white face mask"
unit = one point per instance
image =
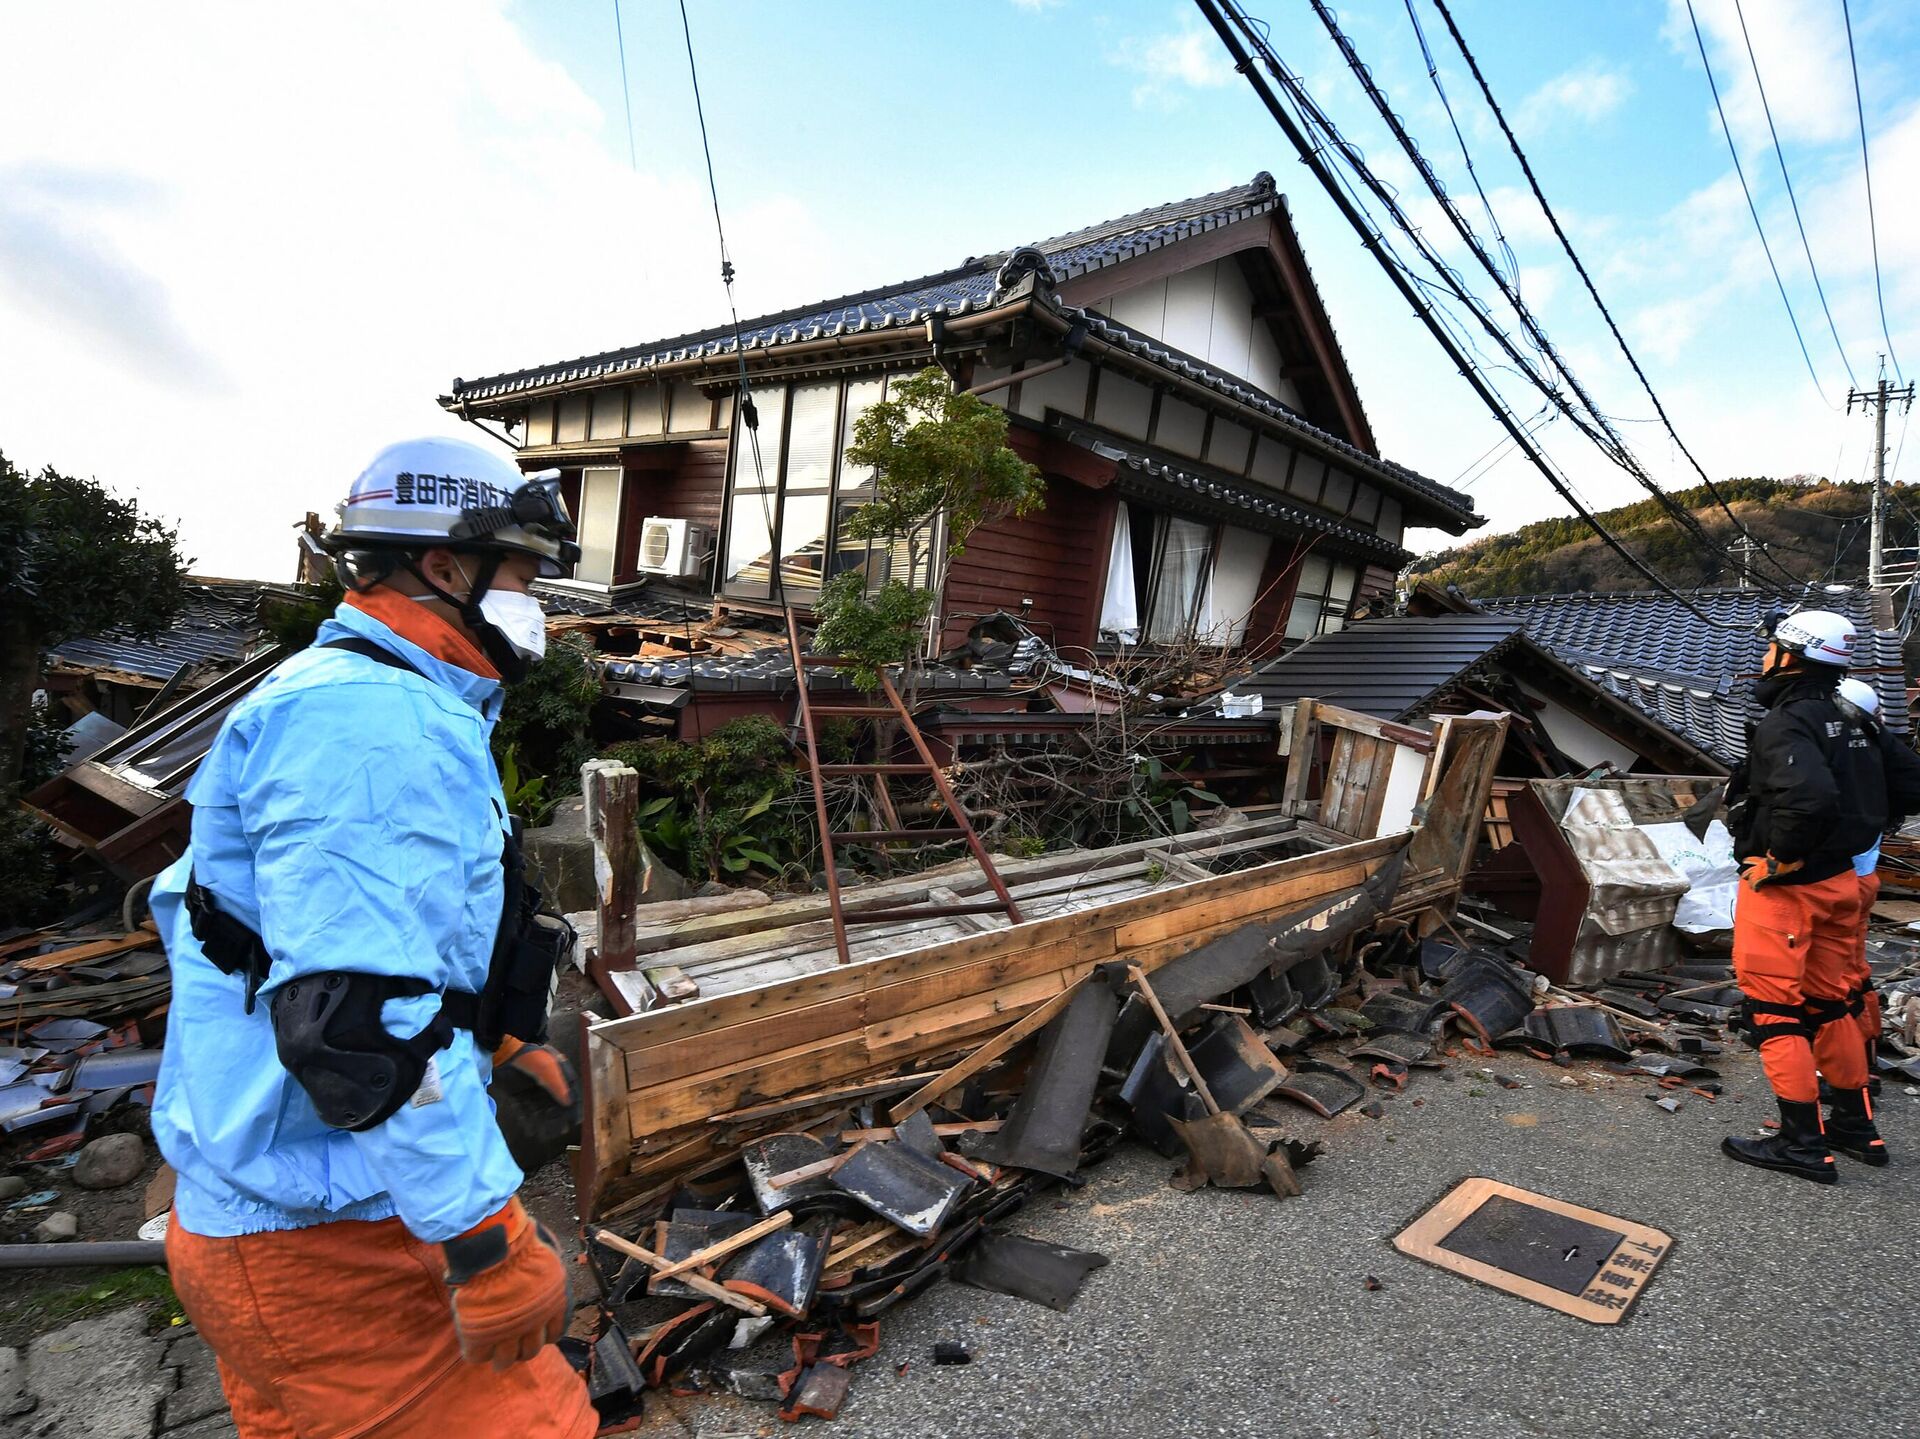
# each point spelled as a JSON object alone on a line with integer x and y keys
{"x": 518, "y": 616}
{"x": 515, "y": 613}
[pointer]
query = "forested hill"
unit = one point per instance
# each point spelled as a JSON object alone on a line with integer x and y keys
{"x": 1816, "y": 528}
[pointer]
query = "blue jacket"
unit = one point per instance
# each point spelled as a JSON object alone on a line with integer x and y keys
{"x": 350, "y": 813}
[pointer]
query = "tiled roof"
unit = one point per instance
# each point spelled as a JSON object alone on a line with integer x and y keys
{"x": 1148, "y": 476}
{"x": 1388, "y": 668}
{"x": 218, "y": 627}
{"x": 969, "y": 286}
{"x": 1694, "y": 676}
{"x": 972, "y": 286}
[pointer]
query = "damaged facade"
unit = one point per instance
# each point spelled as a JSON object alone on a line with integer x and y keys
{"x": 1211, "y": 476}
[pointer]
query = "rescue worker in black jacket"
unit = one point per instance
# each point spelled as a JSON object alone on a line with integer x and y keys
{"x": 1814, "y": 792}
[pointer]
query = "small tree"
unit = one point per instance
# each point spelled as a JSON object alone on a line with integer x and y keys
{"x": 939, "y": 460}
{"x": 74, "y": 560}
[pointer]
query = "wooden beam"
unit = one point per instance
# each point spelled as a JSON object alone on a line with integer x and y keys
{"x": 752, "y": 1234}
{"x": 612, "y": 794}
{"x": 983, "y": 1056}
{"x": 696, "y": 1282}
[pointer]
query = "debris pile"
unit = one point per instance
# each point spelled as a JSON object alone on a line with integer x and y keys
{"x": 766, "y": 1274}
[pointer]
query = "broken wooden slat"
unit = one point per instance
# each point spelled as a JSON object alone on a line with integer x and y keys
{"x": 719, "y": 1250}
{"x": 98, "y": 949}
{"x": 986, "y": 1054}
{"x": 944, "y": 1131}
{"x": 696, "y": 1282}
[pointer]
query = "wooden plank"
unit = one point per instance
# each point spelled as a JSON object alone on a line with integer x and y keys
{"x": 612, "y": 794}
{"x": 816, "y": 1170}
{"x": 1240, "y": 893}
{"x": 609, "y": 1138}
{"x": 713, "y": 1253}
{"x": 1301, "y": 756}
{"x": 985, "y": 1055}
{"x": 141, "y": 938}
{"x": 844, "y": 1094}
{"x": 695, "y": 1282}
{"x": 942, "y": 1131}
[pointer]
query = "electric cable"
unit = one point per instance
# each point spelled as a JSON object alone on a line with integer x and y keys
{"x": 1593, "y": 292}
{"x": 1866, "y": 168}
{"x": 1230, "y": 22}
{"x": 1614, "y": 445}
{"x": 1766, "y": 108}
{"x": 744, "y": 409}
{"x": 1433, "y": 75}
{"x": 626, "y": 90}
{"x": 1753, "y": 210}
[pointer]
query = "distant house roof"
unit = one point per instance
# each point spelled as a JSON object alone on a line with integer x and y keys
{"x": 1692, "y": 675}
{"x": 217, "y": 629}
{"x": 1397, "y": 668}
{"x": 980, "y": 284}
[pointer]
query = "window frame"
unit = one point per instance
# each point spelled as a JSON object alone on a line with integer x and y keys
{"x": 776, "y": 589}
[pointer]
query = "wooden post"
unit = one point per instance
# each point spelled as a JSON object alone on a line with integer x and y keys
{"x": 612, "y": 793}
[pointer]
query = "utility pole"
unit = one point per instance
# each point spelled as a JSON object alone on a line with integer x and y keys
{"x": 1876, "y": 400}
{"x": 1746, "y": 548}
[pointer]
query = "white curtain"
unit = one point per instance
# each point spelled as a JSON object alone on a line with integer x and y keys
{"x": 1120, "y": 608}
{"x": 1183, "y": 557}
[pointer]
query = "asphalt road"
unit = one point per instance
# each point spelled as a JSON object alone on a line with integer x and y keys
{"x": 1785, "y": 1308}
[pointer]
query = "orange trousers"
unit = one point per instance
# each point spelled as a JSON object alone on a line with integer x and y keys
{"x": 1795, "y": 943}
{"x": 345, "y": 1331}
{"x": 1869, "y": 1017}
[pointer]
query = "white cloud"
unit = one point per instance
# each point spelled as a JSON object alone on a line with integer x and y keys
{"x": 1801, "y": 49}
{"x": 1036, "y": 7}
{"x": 1190, "y": 58}
{"x": 224, "y": 297}
{"x": 1589, "y": 92}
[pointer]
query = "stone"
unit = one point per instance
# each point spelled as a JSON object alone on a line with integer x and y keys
{"x": 110, "y": 1162}
{"x": 96, "y": 1379}
{"x": 196, "y": 1393}
{"x": 12, "y": 1186}
{"x": 560, "y": 858}
{"x": 56, "y": 1228}
{"x": 712, "y": 889}
{"x": 659, "y": 880}
{"x": 14, "y": 1398}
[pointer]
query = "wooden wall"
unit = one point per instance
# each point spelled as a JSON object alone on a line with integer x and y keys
{"x": 1057, "y": 557}
{"x": 685, "y": 480}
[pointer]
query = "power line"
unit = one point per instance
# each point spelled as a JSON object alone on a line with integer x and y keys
{"x": 1866, "y": 167}
{"x": 1613, "y": 445}
{"x": 1433, "y": 74}
{"x": 1806, "y": 246}
{"x": 1231, "y": 22}
{"x": 626, "y": 90}
{"x": 744, "y": 409}
{"x": 1566, "y": 244}
{"x": 1752, "y": 209}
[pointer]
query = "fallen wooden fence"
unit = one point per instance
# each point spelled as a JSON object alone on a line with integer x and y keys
{"x": 654, "y": 1082}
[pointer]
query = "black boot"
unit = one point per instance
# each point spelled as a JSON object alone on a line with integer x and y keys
{"x": 1851, "y": 1130}
{"x": 1799, "y": 1148}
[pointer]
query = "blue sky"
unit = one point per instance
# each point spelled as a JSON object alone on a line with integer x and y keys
{"x": 223, "y": 297}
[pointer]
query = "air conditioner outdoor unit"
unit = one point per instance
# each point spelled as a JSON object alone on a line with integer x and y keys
{"x": 674, "y": 547}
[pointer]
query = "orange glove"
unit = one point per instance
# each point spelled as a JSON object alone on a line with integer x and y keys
{"x": 536, "y": 1102}
{"x": 1759, "y": 870}
{"x": 509, "y": 1288}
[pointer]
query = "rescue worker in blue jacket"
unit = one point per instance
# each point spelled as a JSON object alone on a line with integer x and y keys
{"x": 350, "y": 941}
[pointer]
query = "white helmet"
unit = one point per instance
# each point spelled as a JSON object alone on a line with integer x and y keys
{"x": 1859, "y": 695}
{"x": 430, "y": 492}
{"x": 1818, "y": 636}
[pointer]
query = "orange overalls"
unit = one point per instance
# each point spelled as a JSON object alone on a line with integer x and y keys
{"x": 1861, "y": 988}
{"x": 1796, "y": 952}
{"x": 345, "y": 1331}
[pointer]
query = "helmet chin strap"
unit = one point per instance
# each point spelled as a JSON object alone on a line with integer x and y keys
{"x": 513, "y": 665}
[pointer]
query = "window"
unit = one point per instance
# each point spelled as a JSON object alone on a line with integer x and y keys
{"x": 599, "y": 525}
{"x": 794, "y": 499}
{"x": 1322, "y": 597}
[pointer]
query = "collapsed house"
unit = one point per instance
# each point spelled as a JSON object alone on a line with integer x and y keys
{"x": 1210, "y": 474}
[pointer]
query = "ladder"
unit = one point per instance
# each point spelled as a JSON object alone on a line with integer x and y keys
{"x": 960, "y": 829}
